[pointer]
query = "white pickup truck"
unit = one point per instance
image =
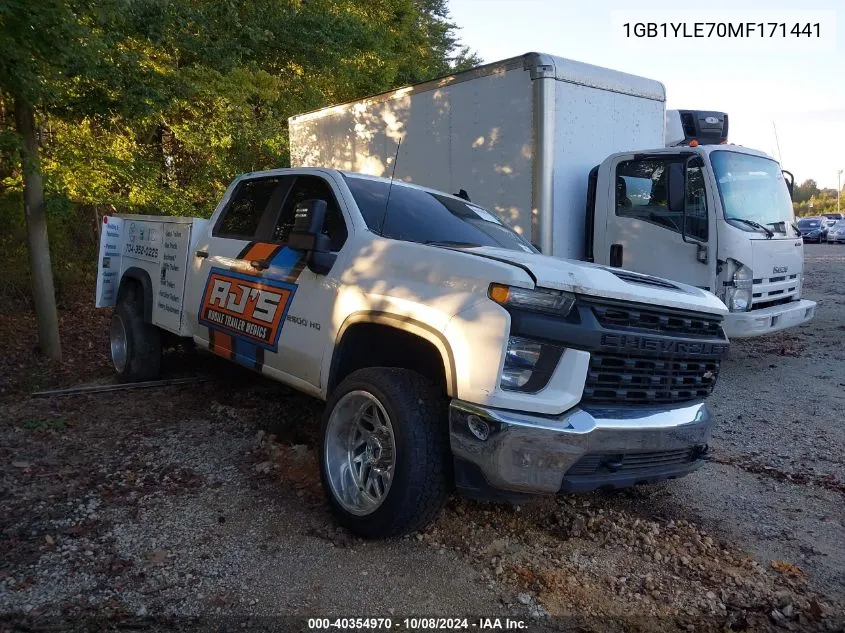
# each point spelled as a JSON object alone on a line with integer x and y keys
{"x": 449, "y": 351}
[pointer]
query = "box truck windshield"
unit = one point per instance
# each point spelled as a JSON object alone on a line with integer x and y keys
{"x": 752, "y": 188}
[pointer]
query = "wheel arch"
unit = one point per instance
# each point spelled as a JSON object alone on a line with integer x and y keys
{"x": 135, "y": 275}
{"x": 369, "y": 323}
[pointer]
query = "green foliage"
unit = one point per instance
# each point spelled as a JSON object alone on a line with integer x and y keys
{"x": 809, "y": 200}
{"x": 153, "y": 106}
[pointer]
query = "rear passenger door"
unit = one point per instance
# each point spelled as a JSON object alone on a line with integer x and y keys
{"x": 227, "y": 298}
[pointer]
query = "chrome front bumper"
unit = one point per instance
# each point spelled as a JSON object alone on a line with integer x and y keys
{"x": 528, "y": 453}
{"x": 768, "y": 320}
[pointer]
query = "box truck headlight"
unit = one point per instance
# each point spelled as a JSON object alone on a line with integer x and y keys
{"x": 738, "y": 295}
{"x": 538, "y": 299}
{"x": 520, "y": 361}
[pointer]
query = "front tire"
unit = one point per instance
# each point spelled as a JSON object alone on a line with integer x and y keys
{"x": 135, "y": 344}
{"x": 385, "y": 462}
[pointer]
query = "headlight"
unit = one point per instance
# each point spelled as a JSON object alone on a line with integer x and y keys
{"x": 541, "y": 300}
{"x": 738, "y": 294}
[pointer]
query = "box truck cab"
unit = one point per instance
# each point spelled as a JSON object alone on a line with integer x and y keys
{"x": 538, "y": 139}
{"x": 717, "y": 216}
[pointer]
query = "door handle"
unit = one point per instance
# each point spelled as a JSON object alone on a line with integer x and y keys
{"x": 203, "y": 254}
{"x": 616, "y": 255}
{"x": 260, "y": 264}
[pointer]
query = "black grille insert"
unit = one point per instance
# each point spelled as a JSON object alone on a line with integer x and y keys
{"x": 635, "y": 318}
{"x": 614, "y": 378}
{"x": 602, "y": 463}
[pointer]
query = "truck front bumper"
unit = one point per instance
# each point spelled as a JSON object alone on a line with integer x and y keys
{"x": 768, "y": 320}
{"x": 582, "y": 449}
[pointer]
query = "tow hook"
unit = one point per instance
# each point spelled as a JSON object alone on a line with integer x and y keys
{"x": 701, "y": 452}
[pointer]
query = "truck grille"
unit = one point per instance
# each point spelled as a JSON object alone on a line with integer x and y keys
{"x": 636, "y": 318}
{"x": 614, "y": 378}
{"x": 781, "y": 288}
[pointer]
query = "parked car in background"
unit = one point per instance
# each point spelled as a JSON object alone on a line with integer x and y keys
{"x": 836, "y": 233}
{"x": 812, "y": 230}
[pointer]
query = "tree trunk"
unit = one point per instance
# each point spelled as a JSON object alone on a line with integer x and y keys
{"x": 36, "y": 229}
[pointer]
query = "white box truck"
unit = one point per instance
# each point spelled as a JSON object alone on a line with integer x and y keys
{"x": 541, "y": 139}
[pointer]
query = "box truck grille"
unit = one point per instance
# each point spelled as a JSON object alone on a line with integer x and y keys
{"x": 618, "y": 379}
{"x": 635, "y": 318}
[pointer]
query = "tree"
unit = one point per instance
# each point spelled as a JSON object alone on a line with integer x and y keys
{"x": 36, "y": 44}
{"x": 806, "y": 190}
{"x": 154, "y": 105}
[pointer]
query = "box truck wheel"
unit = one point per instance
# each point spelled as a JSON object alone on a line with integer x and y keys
{"x": 385, "y": 460}
{"x": 135, "y": 344}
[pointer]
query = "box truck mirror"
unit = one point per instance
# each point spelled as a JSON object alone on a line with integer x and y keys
{"x": 676, "y": 183}
{"x": 790, "y": 182}
{"x": 307, "y": 235}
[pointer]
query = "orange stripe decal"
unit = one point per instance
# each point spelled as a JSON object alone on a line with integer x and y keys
{"x": 260, "y": 251}
{"x": 223, "y": 345}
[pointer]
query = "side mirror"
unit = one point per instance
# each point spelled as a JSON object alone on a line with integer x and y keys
{"x": 307, "y": 235}
{"x": 790, "y": 183}
{"x": 676, "y": 185}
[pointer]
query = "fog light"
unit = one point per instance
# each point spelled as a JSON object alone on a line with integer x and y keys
{"x": 478, "y": 427}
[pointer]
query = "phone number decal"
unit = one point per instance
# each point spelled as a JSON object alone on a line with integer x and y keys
{"x": 139, "y": 250}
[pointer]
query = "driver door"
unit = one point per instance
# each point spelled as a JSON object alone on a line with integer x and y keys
{"x": 644, "y": 236}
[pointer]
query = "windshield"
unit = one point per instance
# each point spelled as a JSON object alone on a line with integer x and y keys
{"x": 808, "y": 224}
{"x": 840, "y": 224}
{"x": 752, "y": 188}
{"x": 428, "y": 217}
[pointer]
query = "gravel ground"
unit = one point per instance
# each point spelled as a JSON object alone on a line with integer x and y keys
{"x": 204, "y": 501}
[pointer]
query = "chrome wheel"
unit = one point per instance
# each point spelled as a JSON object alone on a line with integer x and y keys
{"x": 359, "y": 452}
{"x": 117, "y": 338}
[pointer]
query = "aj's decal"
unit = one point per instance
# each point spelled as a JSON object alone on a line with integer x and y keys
{"x": 245, "y": 312}
{"x": 244, "y": 306}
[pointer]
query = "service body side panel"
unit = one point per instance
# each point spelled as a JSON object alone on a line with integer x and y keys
{"x": 474, "y": 134}
{"x": 159, "y": 246}
{"x": 590, "y": 124}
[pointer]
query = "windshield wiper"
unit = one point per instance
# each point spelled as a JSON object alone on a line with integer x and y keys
{"x": 452, "y": 243}
{"x": 769, "y": 233}
{"x": 796, "y": 229}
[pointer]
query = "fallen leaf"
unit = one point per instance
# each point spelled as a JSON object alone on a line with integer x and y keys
{"x": 49, "y": 540}
{"x": 787, "y": 568}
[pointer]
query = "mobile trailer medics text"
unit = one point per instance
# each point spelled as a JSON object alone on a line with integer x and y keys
{"x": 729, "y": 30}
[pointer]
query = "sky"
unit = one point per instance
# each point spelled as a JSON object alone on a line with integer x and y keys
{"x": 799, "y": 85}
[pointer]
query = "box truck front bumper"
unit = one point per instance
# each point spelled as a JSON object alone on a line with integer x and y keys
{"x": 768, "y": 320}
{"x": 583, "y": 449}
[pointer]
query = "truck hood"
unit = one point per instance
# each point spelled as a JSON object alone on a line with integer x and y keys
{"x": 775, "y": 258}
{"x": 600, "y": 281}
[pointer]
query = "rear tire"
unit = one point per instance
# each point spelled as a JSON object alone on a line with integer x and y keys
{"x": 135, "y": 344}
{"x": 385, "y": 461}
